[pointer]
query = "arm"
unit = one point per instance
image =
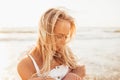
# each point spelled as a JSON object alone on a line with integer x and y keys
{"x": 39, "y": 78}
{"x": 71, "y": 76}
{"x": 76, "y": 74}
{"x": 80, "y": 71}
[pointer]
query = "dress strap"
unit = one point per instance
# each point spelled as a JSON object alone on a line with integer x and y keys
{"x": 35, "y": 65}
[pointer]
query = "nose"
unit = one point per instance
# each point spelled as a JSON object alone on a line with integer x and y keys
{"x": 63, "y": 40}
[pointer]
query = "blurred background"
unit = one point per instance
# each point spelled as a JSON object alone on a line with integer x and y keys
{"x": 97, "y": 40}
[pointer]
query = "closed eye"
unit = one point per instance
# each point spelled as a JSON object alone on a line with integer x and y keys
{"x": 61, "y": 36}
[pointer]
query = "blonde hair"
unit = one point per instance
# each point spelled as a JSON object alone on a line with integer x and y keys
{"x": 46, "y": 42}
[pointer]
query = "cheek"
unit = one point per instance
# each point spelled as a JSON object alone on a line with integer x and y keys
{"x": 60, "y": 44}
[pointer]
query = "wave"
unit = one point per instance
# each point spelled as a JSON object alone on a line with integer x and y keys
{"x": 18, "y": 30}
{"x": 30, "y": 34}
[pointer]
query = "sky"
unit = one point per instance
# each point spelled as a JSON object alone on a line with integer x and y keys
{"x": 24, "y": 13}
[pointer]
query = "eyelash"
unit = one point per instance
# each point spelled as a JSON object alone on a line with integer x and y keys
{"x": 61, "y": 36}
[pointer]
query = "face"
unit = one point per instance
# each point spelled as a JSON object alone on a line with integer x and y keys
{"x": 61, "y": 32}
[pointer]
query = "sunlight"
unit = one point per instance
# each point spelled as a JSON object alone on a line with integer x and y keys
{"x": 27, "y": 12}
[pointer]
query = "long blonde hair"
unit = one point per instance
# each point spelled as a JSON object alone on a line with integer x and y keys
{"x": 46, "y": 42}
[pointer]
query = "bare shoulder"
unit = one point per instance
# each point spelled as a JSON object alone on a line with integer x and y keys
{"x": 25, "y": 68}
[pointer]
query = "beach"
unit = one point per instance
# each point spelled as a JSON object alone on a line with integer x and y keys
{"x": 96, "y": 48}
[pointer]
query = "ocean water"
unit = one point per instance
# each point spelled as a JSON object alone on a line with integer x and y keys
{"x": 98, "y": 48}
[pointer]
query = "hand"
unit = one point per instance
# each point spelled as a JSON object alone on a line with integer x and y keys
{"x": 72, "y": 76}
{"x": 80, "y": 71}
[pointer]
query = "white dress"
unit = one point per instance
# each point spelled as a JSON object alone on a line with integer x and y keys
{"x": 57, "y": 73}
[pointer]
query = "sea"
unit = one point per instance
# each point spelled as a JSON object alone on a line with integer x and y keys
{"x": 98, "y": 48}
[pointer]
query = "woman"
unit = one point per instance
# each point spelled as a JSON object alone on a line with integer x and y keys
{"x": 51, "y": 58}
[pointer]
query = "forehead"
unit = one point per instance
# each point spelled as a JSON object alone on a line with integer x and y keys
{"x": 62, "y": 27}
